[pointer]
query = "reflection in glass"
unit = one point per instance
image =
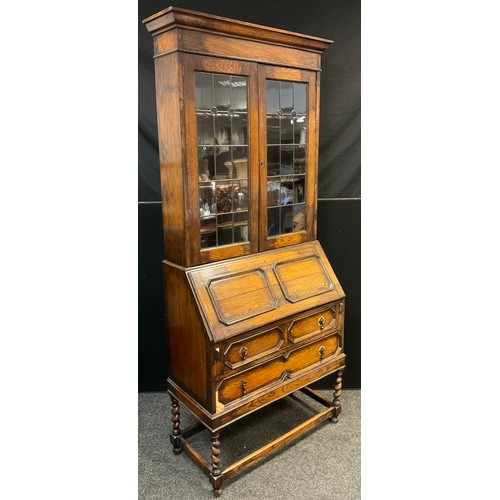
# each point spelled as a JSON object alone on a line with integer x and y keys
{"x": 205, "y": 128}
{"x": 273, "y": 193}
{"x": 208, "y": 239}
{"x": 239, "y": 93}
{"x": 299, "y": 160}
{"x": 286, "y": 130}
{"x": 286, "y": 160}
{"x": 240, "y": 195}
{"x": 300, "y": 97}
{"x": 204, "y": 90}
{"x": 286, "y": 191}
{"x": 272, "y": 96}
{"x": 224, "y": 235}
{"x": 273, "y": 221}
{"x": 206, "y": 167}
{"x": 239, "y": 129}
{"x": 222, "y": 129}
{"x": 299, "y": 188}
{"x": 286, "y": 97}
{"x": 224, "y": 197}
{"x": 222, "y": 92}
{"x": 299, "y": 218}
{"x": 273, "y": 160}
{"x": 208, "y": 204}
{"x": 286, "y": 219}
{"x": 273, "y": 129}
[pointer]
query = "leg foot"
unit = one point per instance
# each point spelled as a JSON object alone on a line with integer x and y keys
{"x": 215, "y": 476}
{"x": 176, "y": 426}
{"x": 337, "y": 408}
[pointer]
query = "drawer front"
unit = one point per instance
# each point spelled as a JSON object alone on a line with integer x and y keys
{"x": 253, "y": 347}
{"x": 280, "y": 369}
{"x": 313, "y": 324}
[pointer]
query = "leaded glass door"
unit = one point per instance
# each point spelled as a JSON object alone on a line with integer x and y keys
{"x": 223, "y": 156}
{"x": 288, "y": 156}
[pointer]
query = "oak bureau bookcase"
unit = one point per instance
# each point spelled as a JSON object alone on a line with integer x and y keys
{"x": 255, "y": 311}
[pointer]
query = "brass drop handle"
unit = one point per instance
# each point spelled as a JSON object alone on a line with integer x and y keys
{"x": 321, "y": 322}
{"x": 243, "y": 353}
{"x": 243, "y": 385}
{"x": 322, "y": 352}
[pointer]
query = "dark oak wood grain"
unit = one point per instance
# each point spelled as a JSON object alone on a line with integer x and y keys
{"x": 252, "y": 321}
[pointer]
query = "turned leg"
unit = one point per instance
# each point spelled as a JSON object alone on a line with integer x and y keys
{"x": 176, "y": 426}
{"x": 337, "y": 408}
{"x": 215, "y": 476}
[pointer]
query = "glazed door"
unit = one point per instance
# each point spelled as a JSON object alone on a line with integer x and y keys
{"x": 288, "y": 156}
{"x": 221, "y": 118}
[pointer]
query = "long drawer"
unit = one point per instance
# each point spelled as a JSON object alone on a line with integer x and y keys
{"x": 289, "y": 364}
{"x": 274, "y": 339}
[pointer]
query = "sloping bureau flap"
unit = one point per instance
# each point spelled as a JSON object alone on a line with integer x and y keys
{"x": 245, "y": 293}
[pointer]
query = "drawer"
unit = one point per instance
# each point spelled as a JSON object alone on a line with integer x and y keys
{"x": 255, "y": 346}
{"x": 278, "y": 370}
{"x": 312, "y": 324}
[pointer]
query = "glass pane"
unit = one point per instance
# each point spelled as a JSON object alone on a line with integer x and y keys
{"x": 239, "y": 93}
{"x": 222, "y": 129}
{"x": 223, "y": 163}
{"x": 240, "y": 227}
{"x": 273, "y": 193}
{"x": 286, "y": 97}
{"x": 286, "y": 130}
{"x": 208, "y": 204}
{"x": 206, "y": 168}
{"x": 273, "y": 221}
{"x": 299, "y": 160}
{"x": 208, "y": 240}
{"x": 240, "y": 163}
{"x": 224, "y": 197}
{"x": 224, "y": 235}
{"x": 273, "y": 160}
{"x": 287, "y": 115}
{"x": 239, "y": 129}
{"x": 273, "y": 129}
{"x": 299, "y": 189}
{"x": 299, "y": 130}
{"x": 272, "y": 96}
{"x": 222, "y": 92}
{"x": 299, "y": 218}
{"x": 300, "y": 97}
{"x": 204, "y": 90}
{"x": 240, "y": 196}
{"x": 286, "y": 191}
{"x": 286, "y": 219}
{"x": 286, "y": 160}
{"x": 222, "y": 138}
{"x": 205, "y": 128}
{"x": 241, "y": 233}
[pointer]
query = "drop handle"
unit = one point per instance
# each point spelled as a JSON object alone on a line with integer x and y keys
{"x": 321, "y": 322}
{"x": 243, "y": 353}
{"x": 322, "y": 352}
{"x": 243, "y": 385}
